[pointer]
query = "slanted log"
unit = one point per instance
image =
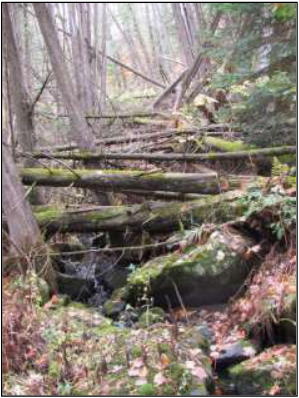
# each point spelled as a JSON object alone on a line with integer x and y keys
{"x": 179, "y": 157}
{"x": 118, "y": 180}
{"x": 149, "y": 216}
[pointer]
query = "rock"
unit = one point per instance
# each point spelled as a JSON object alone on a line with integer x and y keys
{"x": 273, "y": 372}
{"x": 116, "y": 303}
{"x": 113, "y": 308}
{"x": 76, "y": 287}
{"x": 201, "y": 275}
{"x": 231, "y": 354}
{"x": 151, "y": 316}
{"x": 207, "y": 332}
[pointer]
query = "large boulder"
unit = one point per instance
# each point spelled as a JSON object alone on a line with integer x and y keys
{"x": 273, "y": 372}
{"x": 199, "y": 275}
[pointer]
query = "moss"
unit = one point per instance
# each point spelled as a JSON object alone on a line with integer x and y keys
{"x": 54, "y": 369}
{"x": 225, "y": 145}
{"x": 256, "y": 376}
{"x": 288, "y": 159}
{"x": 136, "y": 351}
{"x": 147, "y": 389}
{"x": 151, "y": 316}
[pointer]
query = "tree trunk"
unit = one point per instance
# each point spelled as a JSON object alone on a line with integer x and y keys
{"x": 20, "y": 96}
{"x": 149, "y": 216}
{"x": 78, "y": 122}
{"x": 23, "y": 229}
{"x": 115, "y": 180}
{"x": 103, "y": 76}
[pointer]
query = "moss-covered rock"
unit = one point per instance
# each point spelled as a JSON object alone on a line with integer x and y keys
{"x": 117, "y": 303}
{"x": 200, "y": 275}
{"x": 273, "y": 372}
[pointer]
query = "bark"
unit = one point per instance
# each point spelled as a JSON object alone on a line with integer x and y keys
{"x": 165, "y": 195}
{"x": 149, "y": 216}
{"x": 130, "y": 45}
{"x": 124, "y": 115}
{"x": 23, "y": 229}
{"x": 78, "y": 122}
{"x": 186, "y": 46}
{"x": 108, "y": 180}
{"x": 170, "y": 89}
{"x": 129, "y": 68}
{"x": 103, "y": 75}
{"x": 138, "y": 35}
{"x": 179, "y": 157}
{"x": 20, "y": 97}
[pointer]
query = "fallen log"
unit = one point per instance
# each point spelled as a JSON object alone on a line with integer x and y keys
{"x": 124, "y": 115}
{"x": 180, "y": 157}
{"x": 149, "y": 216}
{"x": 165, "y": 195}
{"x": 119, "y": 180}
{"x": 125, "y": 139}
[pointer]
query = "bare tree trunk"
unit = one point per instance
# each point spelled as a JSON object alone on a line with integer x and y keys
{"x": 104, "y": 59}
{"x": 130, "y": 45}
{"x": 184, "y": 40}
{"x": 20, "y": 97}
{"x": 81, "y": 130}
{"x": 24, "y": 232}
{"x": 140, "y": 39}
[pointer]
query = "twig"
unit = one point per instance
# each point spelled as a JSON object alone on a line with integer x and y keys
{"x": 62, "y": 163}
{"x": 40, "y": 92}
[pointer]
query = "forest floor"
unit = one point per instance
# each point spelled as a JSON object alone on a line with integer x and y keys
{"x": 55, "y": 346}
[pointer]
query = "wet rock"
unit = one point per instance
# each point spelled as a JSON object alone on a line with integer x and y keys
{"x": 76, "y": 287}
{"x": 206, "y": 331}
{"x": 273, "y": 372}
{"x": 231, "y": 354}
{"x": 201, "y": 275}
{"x": 112, "y": 308}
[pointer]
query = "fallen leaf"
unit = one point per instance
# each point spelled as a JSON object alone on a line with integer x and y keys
{"x": 164, "y": 360}
{"x": 199, "y": 372}
{"x": 140, "y": 382}
{"x": 160, "y": 379}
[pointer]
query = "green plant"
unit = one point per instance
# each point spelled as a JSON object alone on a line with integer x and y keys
{"x": 283, "y": 209}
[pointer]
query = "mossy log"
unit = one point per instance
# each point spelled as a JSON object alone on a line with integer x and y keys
{"x": 116, "y": 180}
{"x": 126, "y": 139}
{"x": 226, "y": 145}
{"x": 179, "y": 157}
{"x": 123, "y": 139}
{"x": 149, "y": 216}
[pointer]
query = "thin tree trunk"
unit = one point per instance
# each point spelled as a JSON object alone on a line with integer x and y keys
{"x": 78, "y": 122}
{"x": 103, "y": 77}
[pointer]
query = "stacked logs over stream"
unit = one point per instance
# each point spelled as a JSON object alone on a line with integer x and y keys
{"x": 194, "y": 189}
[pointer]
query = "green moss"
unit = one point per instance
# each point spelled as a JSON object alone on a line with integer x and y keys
{"x": 225, "y": 145}
{"x": 54, "y": 369}
{"x": 147, "y": 389}
{"x": 47, "y": 215}
{"x": 289, "y": 159}
{"x": 151, "y": 316}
